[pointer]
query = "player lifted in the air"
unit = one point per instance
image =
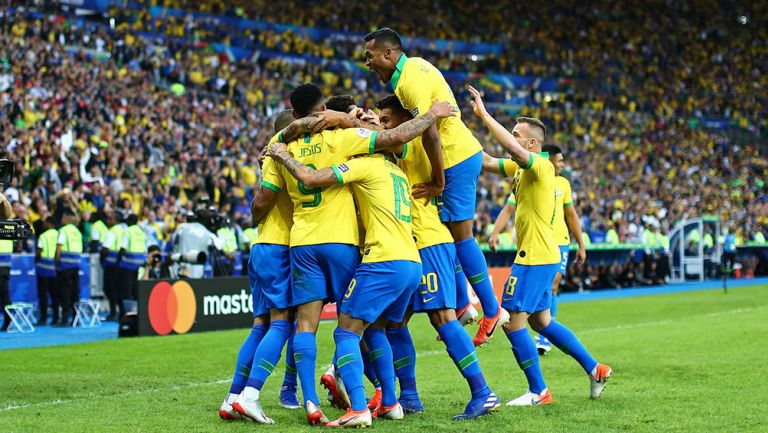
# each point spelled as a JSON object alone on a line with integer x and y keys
{"x": 528, "y": 291}
{"x": 455, "y": 157}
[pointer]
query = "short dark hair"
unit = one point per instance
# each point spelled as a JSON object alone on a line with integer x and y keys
{"x": 132, "y": 219}
{"x": 551, "y": 149}
{"x": 52, "y": 220}
{"x": 393, "y": 104}
{"x": 385, "y": 36}
{"x": 153, "y": 248}
{"x": 304, "y": 98}
{"x": 535, "y": 122}
{"x": 283, "y": 120}
{"x": 341, "y": 103}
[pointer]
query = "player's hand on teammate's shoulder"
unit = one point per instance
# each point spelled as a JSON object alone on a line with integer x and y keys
{"x": 370, "y": 117}
{"x": 276, "y": 149}
{"x": 477, "y": 102}
{"x": 443, "y": 109}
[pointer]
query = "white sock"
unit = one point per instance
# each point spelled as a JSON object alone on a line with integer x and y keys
{"x": 231, "y": 398}
{"x": 594, "y": 371}
{"x": 251, "y": 393}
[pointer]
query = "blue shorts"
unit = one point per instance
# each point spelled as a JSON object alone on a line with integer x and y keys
{"x": 321, "y": 272}
{"x": 381, "y": 289}
{"x": 529, "y": 288}
{"x": 438, "y": 279}
{"x": 255, "y": 281}
{"x": 564, "y": 251}
{"x": 457, "y": 202}
{"x": 271, "y": 263}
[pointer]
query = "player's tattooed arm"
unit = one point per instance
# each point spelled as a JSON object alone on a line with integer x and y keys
{"x": 415, "y": 127}
{"x": 316, "y": 123}
{"x": 507, "y": 140}
{"x": 304, "y": 174}
{"x": 262, "y": 203}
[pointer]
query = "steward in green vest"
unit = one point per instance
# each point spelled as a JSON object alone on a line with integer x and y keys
{"x": 133, "y": 255}
{"x": 45, "y": 269}
{"x": 68, "y": 251}
{"x": 110, "y": 252}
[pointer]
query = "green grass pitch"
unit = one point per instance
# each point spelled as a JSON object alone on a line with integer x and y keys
{"x": 694, "y": 361}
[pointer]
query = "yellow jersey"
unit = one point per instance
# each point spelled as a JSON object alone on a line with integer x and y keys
{"x": 323, "y": 215}
{"x": 417, "y": 84}
{"x": 508, "y": 167}
{"x": 511, "y": 199}
{"x": 383, "y": 195}
{"x": 563, "y": 198}
{"x": 275, "y": 228}
{"x": 428, "y": 230}
{"x": 535, "y": 214}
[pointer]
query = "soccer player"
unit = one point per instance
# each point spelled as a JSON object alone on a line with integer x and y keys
{"x": 455, "y": 157}
{"x": 268, "y": 275}
{"x": 324, "y": 237}
{"x": 385, "y": 280}
{"x": 437, "y": 293}
{"x": 528, "y": 292}
{"x": 565, "y": 218}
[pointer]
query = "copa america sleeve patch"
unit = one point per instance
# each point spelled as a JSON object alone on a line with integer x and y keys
{"x": 343, "y": 167}
{"x": 364, "y": 132}
{"x": 415, "y": 112}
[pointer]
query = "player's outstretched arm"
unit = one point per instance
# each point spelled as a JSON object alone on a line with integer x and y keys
{"x": 572, "y": 221}
{"x": 413, "y": 128}
{"x": 304, "y": 174}
{"x": 508, "y": 141}
{"x": 433, "y": 147}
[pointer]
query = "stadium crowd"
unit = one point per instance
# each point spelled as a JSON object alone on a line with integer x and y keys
{"x": 101, "y": 118}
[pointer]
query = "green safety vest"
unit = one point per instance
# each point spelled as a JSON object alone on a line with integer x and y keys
{"x": 49, "y": 238}
{"x": 72, "y": 248}
{"x": 118, "y": 230}
{"x": 709, "y": 242}
{"x": 251, "y": 234}
{"x": 136, "y": 253}
{"x": 760, "y": 237}
{"x": 612, "y": 237}
{"x": 664, "y": 241}
{"x": 585, "y": 239}
{"x": 6, "y": 248}
{"x": 101, "y": 228}
{"x": 46, "y": 265}
{"x": 228, "y": 236}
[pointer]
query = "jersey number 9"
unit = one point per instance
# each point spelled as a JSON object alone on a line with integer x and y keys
{"x": 316, "y": 192}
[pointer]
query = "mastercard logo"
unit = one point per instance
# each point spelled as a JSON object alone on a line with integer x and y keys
{"x": 172, "y": 307}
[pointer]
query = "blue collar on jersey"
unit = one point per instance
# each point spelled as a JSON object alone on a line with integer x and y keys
{"x": 398, "y": 70}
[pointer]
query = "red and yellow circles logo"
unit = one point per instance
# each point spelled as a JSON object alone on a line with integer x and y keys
{"x": 172, "y": 307}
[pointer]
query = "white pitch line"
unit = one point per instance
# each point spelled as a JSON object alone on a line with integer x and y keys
{"x": 422, "y": 354}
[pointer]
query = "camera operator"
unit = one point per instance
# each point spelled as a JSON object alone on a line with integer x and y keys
{"x": 155, "y": 268}
{"x": 194, "y": 238}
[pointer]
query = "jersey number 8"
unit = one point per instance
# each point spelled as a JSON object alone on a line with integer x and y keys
{"x": 510, "y": 288}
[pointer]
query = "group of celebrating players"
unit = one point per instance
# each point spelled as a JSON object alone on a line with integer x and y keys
{"x": 374, "y": 212}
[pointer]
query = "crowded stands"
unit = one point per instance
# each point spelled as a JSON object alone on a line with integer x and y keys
{"x": 142, "y": 110}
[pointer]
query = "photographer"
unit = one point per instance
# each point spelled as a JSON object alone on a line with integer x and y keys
{"x": 155, "y": 268}
{"x": 194, "y": 238}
